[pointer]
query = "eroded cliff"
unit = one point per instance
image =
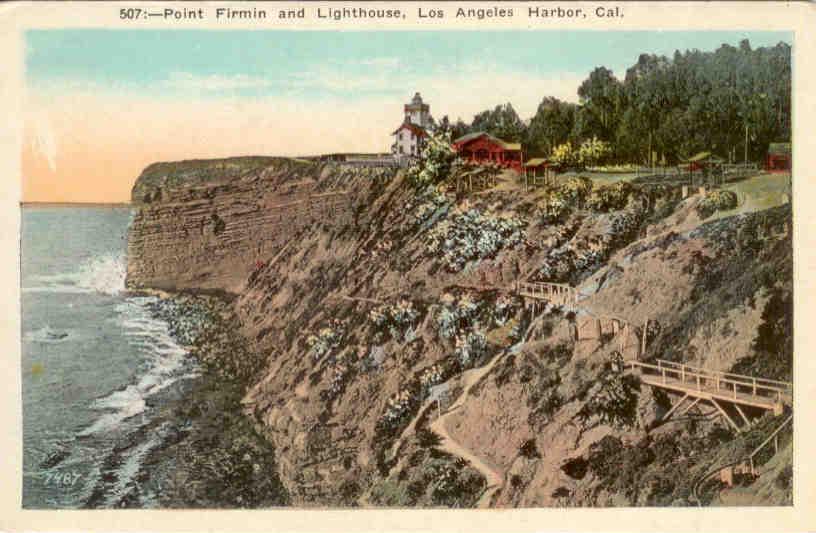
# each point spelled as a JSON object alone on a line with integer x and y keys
{"x": 369, "y": 300}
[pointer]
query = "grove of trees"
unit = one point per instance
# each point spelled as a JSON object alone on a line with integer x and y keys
{"x": 664, "y": 110}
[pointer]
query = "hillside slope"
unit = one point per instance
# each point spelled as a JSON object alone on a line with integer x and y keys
{"x": 360, "y": 315}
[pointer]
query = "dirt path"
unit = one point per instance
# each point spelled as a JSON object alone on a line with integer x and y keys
{"x": 495, "y": 478}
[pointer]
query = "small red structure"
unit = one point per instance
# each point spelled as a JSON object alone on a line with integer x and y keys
{"x": 481, "y": 148}
{"x": 702, "y": 161}
{"x": 779, "y": 157}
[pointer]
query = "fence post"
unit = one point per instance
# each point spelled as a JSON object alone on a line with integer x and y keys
{"x": 645, "y": 327}
{"x": 755, "y": 390}
{"x": 735, "y": 390}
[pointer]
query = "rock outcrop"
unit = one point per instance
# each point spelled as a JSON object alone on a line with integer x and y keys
{"x": 207, "y": 226}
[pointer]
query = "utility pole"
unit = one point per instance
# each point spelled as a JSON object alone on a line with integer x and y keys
{"x": 746, "y": 144}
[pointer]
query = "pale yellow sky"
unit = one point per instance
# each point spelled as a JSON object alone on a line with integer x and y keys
{"x": 82, "y": 147}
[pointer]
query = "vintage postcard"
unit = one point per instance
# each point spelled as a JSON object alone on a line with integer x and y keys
{"x": 301, "y": 259}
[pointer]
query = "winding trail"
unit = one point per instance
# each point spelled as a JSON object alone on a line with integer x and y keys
{"x": 495, "y": 478}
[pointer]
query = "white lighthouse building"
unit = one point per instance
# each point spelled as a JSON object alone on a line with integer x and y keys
{"x": 410, "y": 136}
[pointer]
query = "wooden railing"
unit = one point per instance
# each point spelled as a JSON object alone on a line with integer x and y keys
{"x": 724, "y": 383}
{"x": 543, "y": 288}
{"x": 775, "y": 437}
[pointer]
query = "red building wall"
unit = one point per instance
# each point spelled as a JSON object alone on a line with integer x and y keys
{"x": 484, "y": 150}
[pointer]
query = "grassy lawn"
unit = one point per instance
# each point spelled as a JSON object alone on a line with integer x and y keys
{"x": 760, "y": 192}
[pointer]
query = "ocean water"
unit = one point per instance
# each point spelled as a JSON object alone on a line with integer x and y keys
{"x": 96, "y": 365}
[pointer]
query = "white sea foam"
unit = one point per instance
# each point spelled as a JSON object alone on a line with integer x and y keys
{"x": 130, "y": 467}
{"x": 104, "y": 274}
{"x": 167, "y": 363}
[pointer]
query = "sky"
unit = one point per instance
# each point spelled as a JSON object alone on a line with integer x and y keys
{"x": 103, "y": 104}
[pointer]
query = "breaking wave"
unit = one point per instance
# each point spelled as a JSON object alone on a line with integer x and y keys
{"x": 166, "y": 364}
{"x": 104, "y": 275}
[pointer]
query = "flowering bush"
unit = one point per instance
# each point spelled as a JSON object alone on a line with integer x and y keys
{"x": 456, "y": 316}
{"x": 398, "y": 406}
{"x": 431, "y": 207}
{"x": 470, "y": 347}
{"x": 593, "y": 151}
{"x": 472, "y": 235}
{"x": 435, "y": 163}
{"x": 395, "y": 320}
{"x": 576, "y": 189}
{"x": 326, "y": 340}
{"x": 558, "y": 203}
{"x": 564, "y": 155}
{"x": 433, "y": 375}
{"x": 610, "y": 197}
{"x": 504, "y": 308}
{"x": 338, "y": 379}
{"x": 716, "y": 201}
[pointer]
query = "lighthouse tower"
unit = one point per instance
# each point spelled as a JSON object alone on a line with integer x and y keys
{"x": 410, "y": 137}
{"x": 417, "y": 112}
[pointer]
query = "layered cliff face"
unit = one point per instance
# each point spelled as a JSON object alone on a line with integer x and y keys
{"x": 376, "y": 300}
{"x": 206, "y": 225}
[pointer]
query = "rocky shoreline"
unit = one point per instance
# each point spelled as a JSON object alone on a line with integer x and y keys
{"x": 211, "y": 456}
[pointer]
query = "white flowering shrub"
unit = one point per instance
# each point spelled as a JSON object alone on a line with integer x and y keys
{"x": 340, "y": 373}
{"x": 716, "y": 201}
{"x": 610, "y": 197}
{"x": 505, "y": 307}
{"x": 576, "y": 189}
{"x": 326, "y": 340}
{"x": 394, "y": 321}
{"x": 553, "y": 207}
{"x": 397, "y": 407}
{"x": 430, "y": 208}
{"x": 456, "y": 315}
{"x": 470, "y": 347}
{"x": 472, "y": 235}
{"x": 434, "y": 166}
{"x": 564, "y": 262}
{"x": 433, "y": 375}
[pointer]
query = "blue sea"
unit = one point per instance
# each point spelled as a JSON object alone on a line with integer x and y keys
{"x": 96, "y": 365}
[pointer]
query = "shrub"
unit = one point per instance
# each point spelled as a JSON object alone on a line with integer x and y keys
{"x": 470, "y": 347}
{"x": 504, "y": 308}
{"x": 433, "y": 375}
{"x": 325, "y": 341}
{"x": 338, "y": 380}
{"x": 397, "y": 407}
{"x": 430, "y": 207}
{"x": 435, "y": 163}
{"x": 394, "y": 321}
{"x": 593, "y": 151}
{"x": 529, "y": 450}
{"x": 472, "y": 235}
{"x": 564, "y": 155}
{"x": 613, "y": 398}
{"x": 716, "y": 201}
{"x": 554, "y": 207}
{"x": 456, "y": 315}
{"x": 576, "y": 189}
{"x": 610, "y": 197}
{"x": 427, "y": 438}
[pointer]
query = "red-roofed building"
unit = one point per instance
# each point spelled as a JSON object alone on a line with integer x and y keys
{"x": 482, "y": 148}
{"x": 410, "y": 137}
{"x": 779, "y": 157}
{"x": 408, "y": 140}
